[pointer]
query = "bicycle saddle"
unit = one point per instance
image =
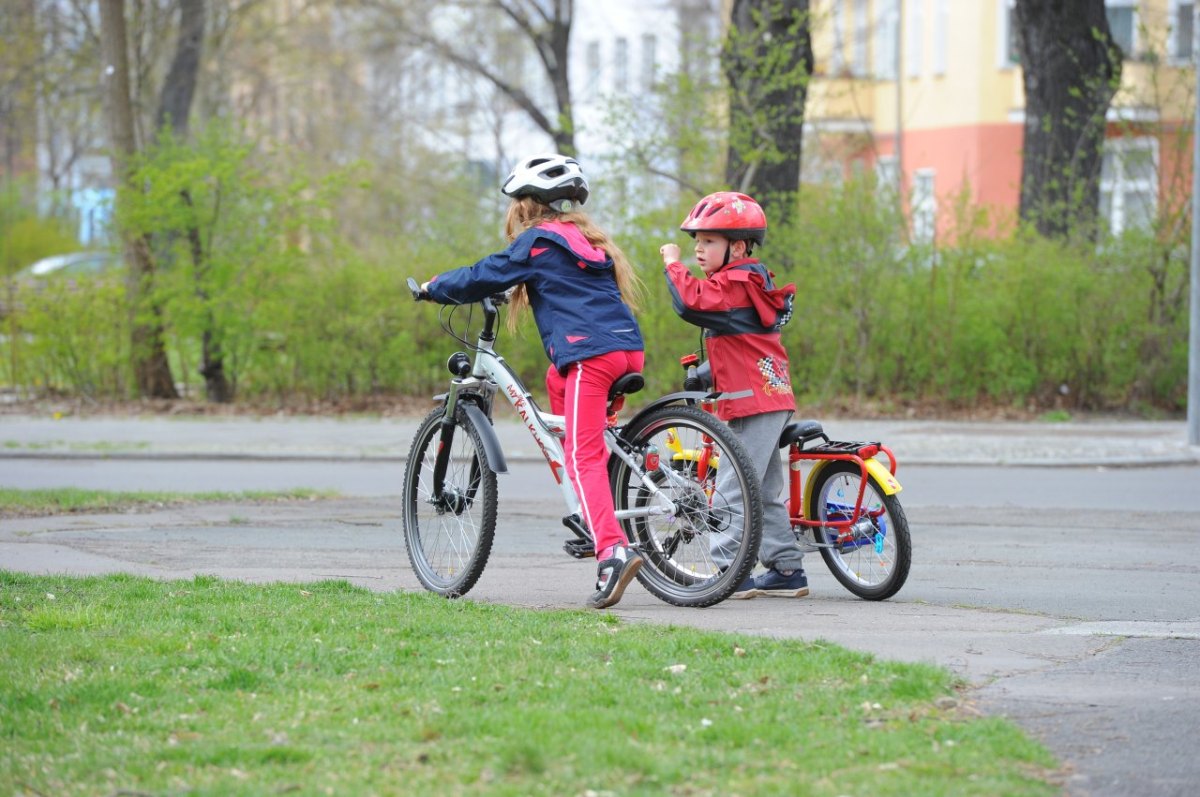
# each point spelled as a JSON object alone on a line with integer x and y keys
{"x": 626, "y": 385}
{"x": 801, "y": 432}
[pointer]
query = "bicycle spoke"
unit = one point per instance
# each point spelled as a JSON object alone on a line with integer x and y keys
{"x": 690, "y": 551}
{"x": 870, "y": 558}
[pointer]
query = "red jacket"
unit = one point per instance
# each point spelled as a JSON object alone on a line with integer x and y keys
{"x": 742, "y": 313}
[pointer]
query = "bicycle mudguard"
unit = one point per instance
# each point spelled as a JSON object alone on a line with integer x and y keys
{"x": 883, "y": 477}
{"x": 876, "y": 470}
{"x": 487, "y": 434}
{"x": 670, "y": 398}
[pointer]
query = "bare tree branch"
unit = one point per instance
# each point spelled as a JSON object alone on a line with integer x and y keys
{"x": 545, "y": 26}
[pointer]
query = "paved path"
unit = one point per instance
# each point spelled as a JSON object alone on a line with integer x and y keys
{"x": 1112, "y": 443}
{"x": 1110, "y": 686}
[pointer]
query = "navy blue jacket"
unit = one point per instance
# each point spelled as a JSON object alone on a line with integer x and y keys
{"x": 572, "y": 291}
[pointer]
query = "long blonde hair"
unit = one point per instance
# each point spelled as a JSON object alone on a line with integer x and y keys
{"x": 526, "y": 212}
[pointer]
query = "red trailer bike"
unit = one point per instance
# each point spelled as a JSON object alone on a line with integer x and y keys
{"x": 846, "y": 507}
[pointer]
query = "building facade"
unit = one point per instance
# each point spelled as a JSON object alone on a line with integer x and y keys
{"x": 930, "y": 94}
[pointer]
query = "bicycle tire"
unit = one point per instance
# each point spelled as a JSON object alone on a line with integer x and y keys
{"x": 873, "y": 563}
{"x": 680, "y": 564}
{"x": 449, "y": 544}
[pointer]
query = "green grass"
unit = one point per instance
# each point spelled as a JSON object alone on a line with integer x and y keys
{"x": 120, "y": 684}
{"x": 72, "y": 499}
{"x": 101, "y": 447}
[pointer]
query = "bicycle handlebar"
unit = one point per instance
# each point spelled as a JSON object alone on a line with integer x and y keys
{"x": 417, "y": 294}
{"x": 489, "y": 302}
{"x": 699, "y": 377}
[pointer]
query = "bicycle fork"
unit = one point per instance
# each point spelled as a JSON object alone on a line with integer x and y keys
{"x": 448, "y": 497}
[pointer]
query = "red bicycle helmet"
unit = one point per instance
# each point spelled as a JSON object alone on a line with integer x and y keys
{"x": 729, "y": 213}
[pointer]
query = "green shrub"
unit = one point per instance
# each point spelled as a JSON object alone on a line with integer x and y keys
{"x": 300, "y": 313}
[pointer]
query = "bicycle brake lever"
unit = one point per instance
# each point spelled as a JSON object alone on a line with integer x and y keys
{"x": 417, "y": 294}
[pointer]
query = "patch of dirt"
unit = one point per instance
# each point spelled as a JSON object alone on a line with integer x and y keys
{"x": 375, "y": 406}
{"x": 144, "y": 507}
{"x": 418, "y": 406}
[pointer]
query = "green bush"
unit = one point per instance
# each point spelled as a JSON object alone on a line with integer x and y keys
{"x": 70, "y": 337}
{"x": 302, "y": 314}
{"x": 25, "y": 235}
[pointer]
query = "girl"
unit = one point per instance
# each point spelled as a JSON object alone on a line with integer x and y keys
{"x": 579, "y": 285}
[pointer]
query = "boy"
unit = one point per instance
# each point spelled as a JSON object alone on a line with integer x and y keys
{"x": 742, "y": 313}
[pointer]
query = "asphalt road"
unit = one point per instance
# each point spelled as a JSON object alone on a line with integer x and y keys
{"x": 1067, "y": 596}
{"x": 1173, "y": 488}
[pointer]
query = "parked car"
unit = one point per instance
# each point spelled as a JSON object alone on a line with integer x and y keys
{"x": 71, "y": 267}
{"x": 75, "y": 264}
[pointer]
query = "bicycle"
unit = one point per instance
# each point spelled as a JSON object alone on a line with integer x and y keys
{"x": 685, "y": 531}
{"x": 846, "y": 508}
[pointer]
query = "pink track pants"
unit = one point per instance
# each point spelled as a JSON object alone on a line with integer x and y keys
{"x": 581, "y": 397}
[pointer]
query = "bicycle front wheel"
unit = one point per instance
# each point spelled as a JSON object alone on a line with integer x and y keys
{"x": 872, "y": 558}
{"x": 698, "y": 554}
{"x": 449, "y": 536}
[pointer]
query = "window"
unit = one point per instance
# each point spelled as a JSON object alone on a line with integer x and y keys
{"x": 1129, "y": 183}
{"x": 1008, "y": 54}
{"x": 924, "y": 207}
{"x": 941, "y": 28}
{"x": 649, "y": 61}
{"x": 885, "y": 40}
{"x": 837, "y": 56}
{"x": 887, "y": 175}
{"x": 862, "y": 33}
{"x": 621, "y": 66}
{"x": 1122, "y": 24}
{"x": 916, "y": 33}
{"x": 1181, "y": 30}
{"x": 592, "y": 60}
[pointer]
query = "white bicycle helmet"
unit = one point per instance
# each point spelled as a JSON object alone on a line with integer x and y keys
{"x": 552, "y": 179}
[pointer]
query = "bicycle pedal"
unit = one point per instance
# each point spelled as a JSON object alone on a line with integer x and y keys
{"x": 580, "y": 549}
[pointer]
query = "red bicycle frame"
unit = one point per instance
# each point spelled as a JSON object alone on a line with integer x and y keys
{"x": 799, "y": 433}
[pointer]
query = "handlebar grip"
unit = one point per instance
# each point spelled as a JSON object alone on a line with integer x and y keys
{"x": 417, "y": 294}
{"x": 699, "y": 377}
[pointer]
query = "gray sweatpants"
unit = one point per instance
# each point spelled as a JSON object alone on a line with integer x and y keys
{"x": 760, "y": 434}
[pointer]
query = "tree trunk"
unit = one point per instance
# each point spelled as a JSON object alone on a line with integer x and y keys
{"x": 174, "y": 113}
{"x": 175, "y": 100}
{"x": 1071, "y": 71}
{"x": 152, "y": 371}
{"x": 768, "y": 63}
{"x": 19, "y": 56}
{"x": 217, "y": 388}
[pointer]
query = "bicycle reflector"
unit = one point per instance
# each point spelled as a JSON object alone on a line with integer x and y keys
{"x": 459, "y": 364}
{"x": 651, "y": 460}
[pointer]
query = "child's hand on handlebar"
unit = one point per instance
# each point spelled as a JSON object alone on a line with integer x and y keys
{"x": 419, "y": 292}
{"x": 670, "y": 253}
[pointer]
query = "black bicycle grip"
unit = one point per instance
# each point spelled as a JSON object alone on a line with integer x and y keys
{"x": 418, "y": 294}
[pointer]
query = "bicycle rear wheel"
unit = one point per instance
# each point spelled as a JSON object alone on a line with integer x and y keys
{"x": 449, "y": 539}
{"x": 872, "y": 559}
{"x": 698, "y": 555}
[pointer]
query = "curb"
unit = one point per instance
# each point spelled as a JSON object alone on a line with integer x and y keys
{"x": 1180, "y": 460}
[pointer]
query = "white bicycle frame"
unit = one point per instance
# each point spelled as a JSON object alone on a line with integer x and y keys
{"x": 490, "y": 373}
